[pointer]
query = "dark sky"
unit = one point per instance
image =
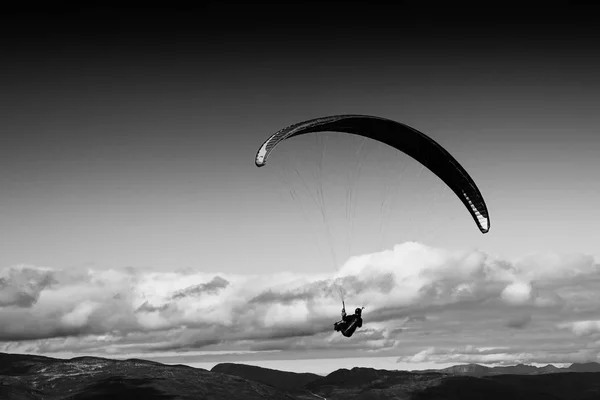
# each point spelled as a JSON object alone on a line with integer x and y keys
{"x": 128, "y": 135}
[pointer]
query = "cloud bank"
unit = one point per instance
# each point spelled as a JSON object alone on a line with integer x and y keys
{"x": 422, "y": 303}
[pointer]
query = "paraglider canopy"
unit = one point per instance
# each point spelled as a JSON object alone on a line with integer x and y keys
{"x": 401, "y": 137}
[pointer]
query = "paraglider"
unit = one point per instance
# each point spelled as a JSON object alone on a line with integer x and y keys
{"x": 348, "y": 324}
{"x": 404, "y": 139}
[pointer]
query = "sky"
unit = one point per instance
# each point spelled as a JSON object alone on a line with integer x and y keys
{"x": 134, "y": 221}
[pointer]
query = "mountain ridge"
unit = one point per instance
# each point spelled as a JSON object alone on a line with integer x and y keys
{"x": 32, "y": 377}
{"x": 518, "y": 369}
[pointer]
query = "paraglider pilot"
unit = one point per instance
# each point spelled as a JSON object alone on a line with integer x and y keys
{"x": 349, "y": 323}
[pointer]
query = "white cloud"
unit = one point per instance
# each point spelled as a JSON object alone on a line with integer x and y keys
{"x": 415, "y": 297}
{"x": 583, "y": 328}
{"x": 80, "y": 315}
{"x": 516, "y": 293}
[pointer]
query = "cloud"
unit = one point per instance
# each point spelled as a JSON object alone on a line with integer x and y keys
{"x": 149, "y": 308}
{"x": 212, "y": 287}
{"x": 415, "y": 297}
{"x": 306, "y": 292}
{"x": 21, "y": 286}
{"x": 516, "y": 293}
{"x": 519, "y": 322}
{"x": 583, "y": 328}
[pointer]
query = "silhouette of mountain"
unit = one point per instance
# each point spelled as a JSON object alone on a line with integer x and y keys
{"x": 25, "y": 377}
{"x": 562, "y": 386}
{"x": 290, "y": 381}
{"x": 90, "y": 378}
{"x": 368, "y": 383}
{"x": 585, "y": 367}
{"x": 17, "y": 364}
{"x": 549, "y": 369}
{"x": 477, "y": 370}
{"x": 468, "y": 369}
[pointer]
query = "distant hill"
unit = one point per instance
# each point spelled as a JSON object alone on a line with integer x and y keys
{"x": 371, "y": 384}
{"x": 477, "y": 370}
{"x": 562, "y": 386}
{"x": 291, "y": 381}
{"x": 18, "y": 364}
{"x": 24, "y": 377}
{"x": 585, "y": 367}
{"x": 368, "y": 383}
